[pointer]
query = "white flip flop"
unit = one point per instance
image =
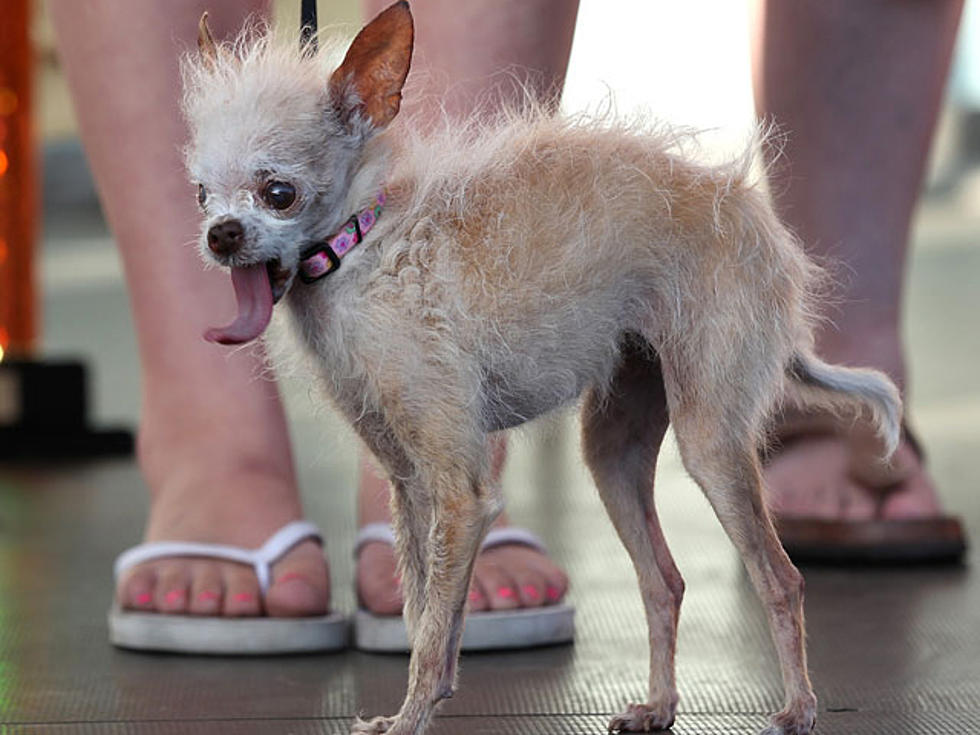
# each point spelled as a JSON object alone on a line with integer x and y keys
{"x": 226, "y": 636}
{"x": 483, "y": 631}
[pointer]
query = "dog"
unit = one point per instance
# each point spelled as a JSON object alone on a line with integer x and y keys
{"x": 458, "y": 283}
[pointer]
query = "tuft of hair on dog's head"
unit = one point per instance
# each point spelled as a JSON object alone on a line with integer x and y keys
{"x": 277, "y": 132}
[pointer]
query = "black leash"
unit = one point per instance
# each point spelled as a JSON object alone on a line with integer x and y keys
{"x": 307, "y": 27}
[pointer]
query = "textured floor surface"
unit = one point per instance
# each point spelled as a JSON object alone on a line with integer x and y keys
{"x": 890, "y": 652}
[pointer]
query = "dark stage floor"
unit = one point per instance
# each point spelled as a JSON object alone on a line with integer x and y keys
{"x": 891, "y": 651}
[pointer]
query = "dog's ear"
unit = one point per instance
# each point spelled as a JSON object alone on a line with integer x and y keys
{"x": 370, "y": 79}
{"x": 205, "y": 42}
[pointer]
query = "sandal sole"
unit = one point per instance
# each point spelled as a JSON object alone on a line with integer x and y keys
{"x": 483, "y": 631}
{"x": 226, "y": 636}
{"x": 881, "y": 542}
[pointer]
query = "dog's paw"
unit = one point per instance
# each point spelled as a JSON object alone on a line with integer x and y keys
{"x": 643, "y": 718}
{"x": 795, "y": 721}
{"x": 374, "y": 726}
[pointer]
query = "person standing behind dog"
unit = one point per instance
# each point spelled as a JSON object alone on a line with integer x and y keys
{"x": 213, "y": 442}
{"x": 856, "y": 88}
{"x": 210, "y": 431}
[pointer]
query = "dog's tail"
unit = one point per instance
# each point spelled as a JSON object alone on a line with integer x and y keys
{"x": 817, "y": 383}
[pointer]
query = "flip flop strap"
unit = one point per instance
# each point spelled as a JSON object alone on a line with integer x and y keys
{"x": 512, "y": 536}
{"x": 507, "y": 536}
{"x": 260, "y": 559}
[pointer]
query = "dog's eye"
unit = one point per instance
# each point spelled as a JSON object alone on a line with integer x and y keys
{"x": 279, "y": 194}
{"x": 202, "y": 194}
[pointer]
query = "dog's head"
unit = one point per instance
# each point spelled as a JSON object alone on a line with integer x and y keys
{"x": 275, "y": 140}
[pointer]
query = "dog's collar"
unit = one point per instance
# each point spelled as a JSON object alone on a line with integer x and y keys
{"x": 323, "y": 258}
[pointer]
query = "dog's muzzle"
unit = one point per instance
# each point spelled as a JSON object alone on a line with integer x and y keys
{"x": 226, "y": 238}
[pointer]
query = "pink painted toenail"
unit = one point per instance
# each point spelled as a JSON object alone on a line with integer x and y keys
{"x": 207, "y": 596}
{"x": 506, "y": 592}
{"x": 291, "y": 575}
{"x": 244, "y": 597}
{"x": 553, "y": 593}
{"x": 475, "y": 595}
{"x": 174, "y": 596}
{"x": 531, "y": 591}
{"x": 144, "y": 598}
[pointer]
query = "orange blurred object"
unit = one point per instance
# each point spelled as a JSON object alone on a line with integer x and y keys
{"x": 18, "y": 183}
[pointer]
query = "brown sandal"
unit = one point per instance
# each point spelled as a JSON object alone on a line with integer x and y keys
{"x": 939, "y": 539}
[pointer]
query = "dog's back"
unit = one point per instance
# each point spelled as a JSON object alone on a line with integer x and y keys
{"x": 550, "y": 239}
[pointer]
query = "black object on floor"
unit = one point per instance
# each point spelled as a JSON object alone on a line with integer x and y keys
{"x": 43, "y": 414}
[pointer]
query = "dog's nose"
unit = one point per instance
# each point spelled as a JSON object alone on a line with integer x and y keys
{"x": 226, "y": 238}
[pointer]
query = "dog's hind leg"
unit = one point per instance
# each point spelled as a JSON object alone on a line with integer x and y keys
{"x": 714, "y": 421}
{"x": 622, "y": 432}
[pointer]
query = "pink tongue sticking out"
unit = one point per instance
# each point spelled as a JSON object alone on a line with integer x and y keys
{"x": 254, "y": 294}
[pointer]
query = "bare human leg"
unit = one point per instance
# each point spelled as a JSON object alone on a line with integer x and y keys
{"x": 856, "y": 88}
{"x": 213, "y": 445}
{"x": 468, "y": 55}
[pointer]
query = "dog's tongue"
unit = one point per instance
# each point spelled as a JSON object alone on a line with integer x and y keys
{"x": 254, "y": 294}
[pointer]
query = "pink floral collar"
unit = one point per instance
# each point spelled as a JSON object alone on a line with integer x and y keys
{"x": 323, "y": 258}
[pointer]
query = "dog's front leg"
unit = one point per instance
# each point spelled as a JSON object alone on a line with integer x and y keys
{"x": 411, "y": 515}
{"x": 463, "y": 507}
{"x": 411, "y": 506}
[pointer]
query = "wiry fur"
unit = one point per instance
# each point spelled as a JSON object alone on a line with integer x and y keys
{"x": 520, "y": 263}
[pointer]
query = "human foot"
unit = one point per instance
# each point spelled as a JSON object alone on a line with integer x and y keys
{"x": 505, "y": 577}
{"x": 823, "y": 468}
{"x": 243, "y": 510}
{"x": 824, "y": 476}
{"x": 834, "y": 501}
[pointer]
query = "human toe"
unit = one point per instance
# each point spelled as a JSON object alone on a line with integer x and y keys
{"x": 476, "y": 600}
{"x": 528, "y": 581}
{"x": 137, "y": 589}
{"x": 556, "y": 585}
{"x": 173, "y": 586}
{"x": 207, "y": 589}
{"x": 242, "y": 597}
{"x": 300, "y": 586}
{"x": 555, "y": 579}
{"x": 497, "y": 585}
